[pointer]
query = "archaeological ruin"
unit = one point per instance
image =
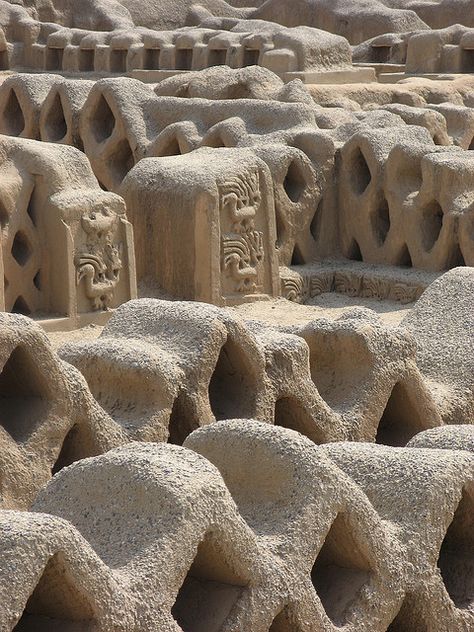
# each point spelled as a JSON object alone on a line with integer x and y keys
{"x": 236, "y": 316}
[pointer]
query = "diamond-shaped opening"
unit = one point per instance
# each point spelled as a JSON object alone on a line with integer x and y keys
{"x": 456, "y": 557}
{"x": 340, "y": 571}
{"x": 37, "y": 280}
{"x": 118, "y": 60}
{"x": 86, "y": 60}
{"x": 290, "y": 413}
{"x": 353, "y": 252}
{"x": 184, "y": 58}
{"x": 20, "y": 306}
{"x": 297, "y": 258}
{"x": 340, "y": 363}
{"x": 294, "y": 182}
{"x": 57, "y": 604}
{"x": 209, "y": 592}
{"x": 431, "y": 224}
{"x": 408, "y": 619}
{"x": 151, "y": 59}
{"x": 102, "y": 121}
{"x": 471, "y": 144}
{"x": 54, "y": 58}
{"x": 180, "y": 425}
{"x": 315, "y": 226}
{"x": 217, "y": 57}
{"x": 232, "y": 388}
{"x": 360, "y": 172}
{"x": 401, "y": 419}
{"x": 121, "y": 161}
{"x": 21, "y": 248}
{"x": 12, "y": 119}
{"x": 55, "y": 126}
{"x": 381, "y": 222}
{"x": 24, "y": 395}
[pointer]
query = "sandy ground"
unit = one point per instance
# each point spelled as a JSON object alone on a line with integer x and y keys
{"x": 276, "y": 312}
{"x": 58, "y": 338}
{"x": 283, "y": 312}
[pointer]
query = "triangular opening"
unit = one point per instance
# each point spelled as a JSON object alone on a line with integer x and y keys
{"x": 24, "y": 395}
{"x": 20, "y": 306}
{"x": 56, "y": 604}
{"x": 214, "y": 140}
{"x": 65, "y": 457}
{"x": 282, "y": 623}
{"x": 456, "y": 557}
{"x": 4, "y": 60}
{"x": 290, "y": 413}
{"x": 339, "y": 367}
{"x": 360, "y": 172}
{"x": 404, "y": 258}
{"x": 297, "y": 258}
{"x": 407, "y": 619}
{"x": 179, "y": 425}
{"x": 4, "y": 215}
{"x": 381, "y": 222}
{"x": 456, "y": 258}
{"x": 432, "y": 223}
{"x": 471, "y": 145}
{"x": 172, "y": 148}
{"x": 13, "y": 121}
{"x": 21, "y": 248}
{"x": 210, "y": 591}
{"x": 102, "y": 121}
{"x": 315, "y": 226}
{"x": 122, "y": 161}
{"x": 55, "y": 126}
{"x": 232, "y": 390}
{"x": 281, "y": 229}
{"x": 294, "y": 182}
{"x": 340, "y": 571}
{"x": 401, "y": 419}
{"x": 31, "y": 210}
{"x": 354, "y": 253}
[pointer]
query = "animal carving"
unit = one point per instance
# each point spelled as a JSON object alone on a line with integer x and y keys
{"x": 99, "y": 264}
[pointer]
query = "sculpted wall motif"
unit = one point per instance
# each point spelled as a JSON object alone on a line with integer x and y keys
{"x": 242, "y": 248}
{"x": 99, "y": 263}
